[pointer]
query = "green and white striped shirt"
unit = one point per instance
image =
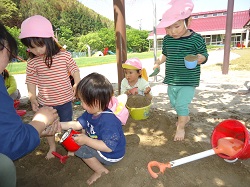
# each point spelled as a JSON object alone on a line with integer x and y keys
{"x": 175, "y": 50}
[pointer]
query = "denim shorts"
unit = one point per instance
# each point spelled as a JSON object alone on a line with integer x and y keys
{"x": 86, "y": 152}
{"x": 65, "y": 111}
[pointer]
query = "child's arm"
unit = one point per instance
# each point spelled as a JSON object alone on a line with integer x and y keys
{"x": 32, "y": 96}
{"x": 162, "y": 58}
{"x": 77, "y": 79}
{"x": 147, "y": 93}
{"x": 145, "y": 87}
{"x": 71, "y": 124}
{"x": 201, "y": 58}
{"x": 82, "y": 139}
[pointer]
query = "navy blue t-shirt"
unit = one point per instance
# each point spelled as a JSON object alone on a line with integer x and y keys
{"x": 17, "y": 139}
{"x": 108, "y": 128}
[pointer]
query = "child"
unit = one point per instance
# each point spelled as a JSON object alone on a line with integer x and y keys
{"x": 10, "y": 84}
{"x": 102, "y": 140}
{"x": 47, "y": 69}
{"x": 178, "y": 43}
{"x": 135, "y": 81}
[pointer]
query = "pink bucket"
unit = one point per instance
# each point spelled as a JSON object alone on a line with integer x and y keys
{"x": 235, "y": 129}
{"x": 68, "y": 142}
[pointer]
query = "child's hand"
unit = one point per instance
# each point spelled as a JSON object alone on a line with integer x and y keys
{"x": 52, "y": 129}
{"x": 147, "y": 90}
{"x": 34, "y": 105}
{"x": 201, "y": 58}
{"x": 80, "y": 139}
{"x": 156, "y": 66}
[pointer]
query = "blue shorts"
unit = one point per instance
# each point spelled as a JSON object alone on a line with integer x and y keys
{"x": 65, "y": 111}
{"x": 86, "y": 152}
{"x": 180, "y": 98}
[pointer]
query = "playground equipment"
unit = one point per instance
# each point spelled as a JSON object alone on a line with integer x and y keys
{"x": 106, "y": 51}
{"x": 230, "y": 140}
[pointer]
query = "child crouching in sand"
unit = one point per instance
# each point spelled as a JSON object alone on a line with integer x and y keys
{"x": 102, "y": 140}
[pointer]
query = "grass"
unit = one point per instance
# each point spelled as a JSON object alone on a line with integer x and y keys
{"x": 242, "y": 63}
{"x": 239, "y": 64}
{"x": 20, "y": 68}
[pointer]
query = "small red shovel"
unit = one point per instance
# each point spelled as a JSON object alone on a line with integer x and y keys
{"x": 61, "y": 157}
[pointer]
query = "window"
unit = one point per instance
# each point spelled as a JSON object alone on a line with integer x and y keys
{"x": 160, "y": 44}
{"x": 215, "y": 14}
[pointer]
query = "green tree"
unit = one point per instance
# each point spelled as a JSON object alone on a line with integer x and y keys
{"x": 91, "y": 39}
{"x": 9, "y": 14}
{"x": 137, "y": 40}
{"x": 14, "y": 31}
{"x": 65, "y": 38}
{"x": 40, "y": 7}
{"x": 98, "y": 23}
{"x": 107, "y": 36}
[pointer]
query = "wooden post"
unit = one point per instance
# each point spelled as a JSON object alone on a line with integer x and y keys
{"x": 227, "y": 45}
{"x": 121, "y": 41}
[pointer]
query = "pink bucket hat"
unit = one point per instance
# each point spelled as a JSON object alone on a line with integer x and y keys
{"x": 132, "y": 63}
{"x": 36, "y": 26}
{"x": 176, "y": 10}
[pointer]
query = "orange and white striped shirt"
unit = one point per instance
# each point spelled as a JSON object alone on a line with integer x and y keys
{"x": 53, "y": 83}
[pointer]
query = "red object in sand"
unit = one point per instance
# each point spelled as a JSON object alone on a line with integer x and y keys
{"x": 21, "y": 112}
{"x": 61, "y": 157}
{"x": 16, "y": 103}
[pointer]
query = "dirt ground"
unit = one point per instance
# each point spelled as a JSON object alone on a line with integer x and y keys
{"x": 216, "y": 99}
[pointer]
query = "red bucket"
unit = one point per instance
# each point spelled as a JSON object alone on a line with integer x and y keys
{"x": 68, "y": 142}
{"x": 235, "y": 129}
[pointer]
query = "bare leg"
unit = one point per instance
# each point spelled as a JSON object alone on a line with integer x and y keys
{"x": 97, "y": 167}
{"x": 52, "y": 147}
{"x": 180, "y": 129}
